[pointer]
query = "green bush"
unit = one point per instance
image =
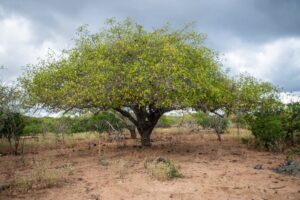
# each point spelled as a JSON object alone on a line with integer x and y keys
{"x": 266, "y": 126}
{"x": 12, "y": 128}
{"x": 32, "y": 129}
{"x": 202, "y": 119}
{"x": 166, "y": 122}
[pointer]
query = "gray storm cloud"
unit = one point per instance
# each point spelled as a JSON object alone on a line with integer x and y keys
{"x": 261, "y": 37}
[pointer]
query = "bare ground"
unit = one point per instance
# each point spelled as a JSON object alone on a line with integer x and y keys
{"x": 211, "y": 170}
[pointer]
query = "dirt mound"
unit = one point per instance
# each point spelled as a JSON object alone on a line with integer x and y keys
{"x": 289, "y": 168}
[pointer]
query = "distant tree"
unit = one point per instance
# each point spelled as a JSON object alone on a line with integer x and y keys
{"x": 218, "y": 123}
{"x": 11, "y": 120}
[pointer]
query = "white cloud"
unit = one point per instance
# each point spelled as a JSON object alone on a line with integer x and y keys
{"x": 277, "y": 61}
{"x": 19, "y": 45}
{"x": 290, "y": 97}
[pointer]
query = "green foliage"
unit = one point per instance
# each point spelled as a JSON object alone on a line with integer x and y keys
{"x": 266, "y": 126}
{"x": 13, "y": 124}
{"x": 291, "y": 120}
{"x": 141, "y": 74}
{"x": 274, "y": 124}
{"x": 167, "y": 121}
{"x": 219, "y": 124}
{"x": 33, "y": 125}
{"x": 249, "y": 93}
{"x": 126, "y": 64}
{"x": 12, "y": 128}
{"x": 202, "y": 119}
{"x": 11, "y": 119}
{"x": 138, "y": 72}
{"x": 32, "y": 130}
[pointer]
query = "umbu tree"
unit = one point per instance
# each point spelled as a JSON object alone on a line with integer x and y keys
{"x": 138, "y": 73}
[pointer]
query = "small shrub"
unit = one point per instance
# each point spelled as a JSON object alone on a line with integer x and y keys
{"x": 161, "y": 169}
{"x": 292, "y": 152}
{"x": 266, "y": 126}
{"x": 166, "y": 122}
{"x": 202, "y": 119}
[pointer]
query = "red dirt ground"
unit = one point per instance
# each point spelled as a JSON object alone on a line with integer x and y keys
{"x": 211, "y": 170}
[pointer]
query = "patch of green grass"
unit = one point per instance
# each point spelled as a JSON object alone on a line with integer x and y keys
{"x": 161, "y": 169}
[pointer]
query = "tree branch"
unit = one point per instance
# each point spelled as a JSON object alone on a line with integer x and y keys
{"x": 127, "y": 114}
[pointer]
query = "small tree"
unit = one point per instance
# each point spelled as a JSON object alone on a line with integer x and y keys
{"x": 218, "y": 123}
{"x": 11, "y": 120}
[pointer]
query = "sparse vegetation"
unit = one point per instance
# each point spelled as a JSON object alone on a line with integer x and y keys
{"x": 40, "y": 177}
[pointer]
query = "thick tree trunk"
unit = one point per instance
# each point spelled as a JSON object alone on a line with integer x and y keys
{"x": 144, "y": 118}
{"x": 145, "y": 140}
{"x": 145, "y": 134}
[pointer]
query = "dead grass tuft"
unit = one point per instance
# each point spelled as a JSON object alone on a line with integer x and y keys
{"x": 161, "y": 169}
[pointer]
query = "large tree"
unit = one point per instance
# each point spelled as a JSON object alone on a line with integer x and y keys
{"x": 139, "y": 73}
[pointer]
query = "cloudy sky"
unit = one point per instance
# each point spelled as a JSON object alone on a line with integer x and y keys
{"x": 261, "y": 37}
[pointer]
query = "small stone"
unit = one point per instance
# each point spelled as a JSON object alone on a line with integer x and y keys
{"x": 258, "y": 166}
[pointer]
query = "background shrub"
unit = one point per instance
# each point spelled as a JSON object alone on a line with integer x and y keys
{"x": 266, "y": 126}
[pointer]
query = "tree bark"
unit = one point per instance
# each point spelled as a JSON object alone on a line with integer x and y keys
{"x": 145, "y": 139}
{"x": 144, "y": 118}
{"x": 145, "y": 133}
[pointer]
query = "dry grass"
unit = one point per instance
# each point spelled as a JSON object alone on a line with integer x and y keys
{"x": 51, "y": 141}
{"x": 121, "y": 167}
{"x": 40, "y": 176}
